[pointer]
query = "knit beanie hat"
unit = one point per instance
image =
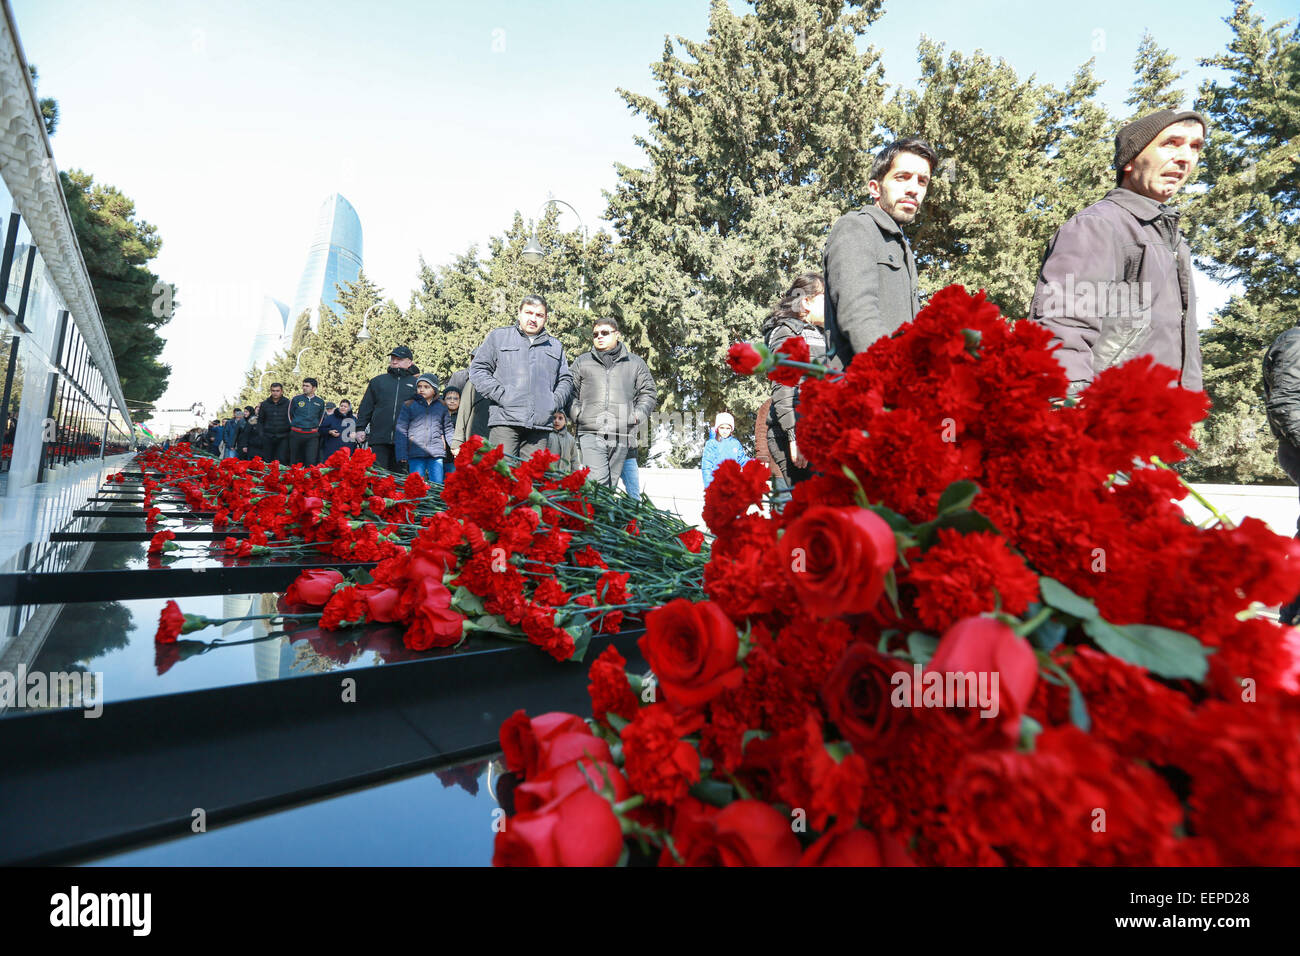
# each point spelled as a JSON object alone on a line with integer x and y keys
{"x": 431, "y": 379}
{"x": 1136, "y": 136}
{"x": 724, "y": 418}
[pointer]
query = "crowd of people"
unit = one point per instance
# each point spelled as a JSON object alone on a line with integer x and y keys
{"x": 1115, "y": 283}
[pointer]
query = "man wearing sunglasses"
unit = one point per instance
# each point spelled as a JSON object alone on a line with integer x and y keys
{"x": 613, "y": 395}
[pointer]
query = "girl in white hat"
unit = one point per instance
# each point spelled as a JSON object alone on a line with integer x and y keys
{"x": 721, "y": 446}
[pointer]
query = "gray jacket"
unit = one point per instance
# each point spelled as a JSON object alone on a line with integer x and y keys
{"x": 870, "y": 281}
{"x": 1115, "y": 284}
{"x": 612, "y": 396}
{"x": 526, "y": 381}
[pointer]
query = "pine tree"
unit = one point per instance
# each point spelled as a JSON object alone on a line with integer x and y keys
{"x": 760, "y": 136}
{"x": 1244, "y": 228}
{"x": 1153, "y": 87}
{"x": 1017, "y": 159}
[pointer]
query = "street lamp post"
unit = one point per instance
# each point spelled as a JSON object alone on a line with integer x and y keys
{"x": 364, "y": 334}
{"x": 297, "y": 363}
{"x": 533, "y": 253}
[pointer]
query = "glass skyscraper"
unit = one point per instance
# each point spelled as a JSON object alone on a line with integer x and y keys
{"x": 271, "y": 330}
{"x": 335, "y": 257}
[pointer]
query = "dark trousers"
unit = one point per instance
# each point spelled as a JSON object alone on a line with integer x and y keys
{"x": 276, "y": 448}
{"x": 604, "y": 456}
{"x": 517, "y": 442}
{"x": 304, "y": 449}
{"x": 785, "y": 473}
{"x": 1288, "y": 456}
{"x": 384, "y": 457}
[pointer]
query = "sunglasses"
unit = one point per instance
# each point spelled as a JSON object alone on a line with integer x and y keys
{"x": 602, "y": 334}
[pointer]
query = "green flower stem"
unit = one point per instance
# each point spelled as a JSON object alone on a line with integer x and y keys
{"x": 1223, "y": 519}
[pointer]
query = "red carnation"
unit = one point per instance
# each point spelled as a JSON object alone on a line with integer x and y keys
{"x": 660, "y": 766}
{"x": 796, "y": 350}
{"x": 170, "y": 623}
{"x": 743, "y": 358}
{"x": 159, "y": 541}
{"x": 609, "y": 688}
{"x": 693, "y": 539}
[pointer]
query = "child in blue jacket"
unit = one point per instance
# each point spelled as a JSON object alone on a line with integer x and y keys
{"x": 424, "y": 430}
{"x": 722, "y": 446}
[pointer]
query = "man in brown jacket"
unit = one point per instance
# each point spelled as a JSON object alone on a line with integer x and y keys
{"x": 1116, "y": 281}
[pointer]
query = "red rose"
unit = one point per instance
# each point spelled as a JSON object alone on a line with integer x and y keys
{"x": 381, "y": 602}
{"x": 313, "y": 587}
{"x": 856, "y": 847}
{"x": 984, "y": 645}
{"x": 579, "y": 829}
{"x": 170, "y": 622}
{"x": 532, "y": 795}
{"x": 837, "y": 558}
{"x": 692, "y": 650}
{"x": 857, "y": 695}
{"x": 559, "y": 749}
{"x": 743, "y": 358}
{"x": 434, "y": 627}
{"x": 747, "y": 833}
{"x": 521, "y": 737}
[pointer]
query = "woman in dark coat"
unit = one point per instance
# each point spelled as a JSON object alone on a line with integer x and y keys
{"x": 800, "y": 312}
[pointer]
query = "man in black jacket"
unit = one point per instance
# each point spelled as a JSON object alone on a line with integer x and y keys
{"x": 383, "y": 400}
{"x": 613, "y": 394}
{"x": 869, "y": 268}
{"x": 1282, "y": 405}
{"x": 273, "y": 423}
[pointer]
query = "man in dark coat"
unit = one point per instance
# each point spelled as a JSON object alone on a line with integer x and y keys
{"x": 1282, "y": 405}
{"x": 613, "y": 394}
{"x": 273, "y": 423}
{"x": 524, "y": 372}
{"x": 382, "y": 402}
{"x": 1116, "y": 281}
{"x": 868, "y": 264}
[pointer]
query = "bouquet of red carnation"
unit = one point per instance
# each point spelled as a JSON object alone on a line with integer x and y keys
{"x": 984, "y": 633}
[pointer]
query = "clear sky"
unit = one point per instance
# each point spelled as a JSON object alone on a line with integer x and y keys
{"x": 230, "y": 123}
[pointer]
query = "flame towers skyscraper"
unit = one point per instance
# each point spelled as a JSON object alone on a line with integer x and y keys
{"x": 334, "y": 257}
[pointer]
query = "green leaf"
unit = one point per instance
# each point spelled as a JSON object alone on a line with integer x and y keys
{"x": 615, "y": 721}
{"x": 581, "y": 640}
{"x": 752, "y": 735}
{"x": 1057, "y": 595}
{"x": 958, "y": 496}
{"x": 920, "y": 646}
{"x": 1160, "y": 650}
{"x": 1029, "y": 731}
{"x": 466, "y": 601}
{"x": 892, "y": 518}
{"x": 1079, "y": 709}
{"x": 713, "y": 792}
{"x": 859, "y": 495}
